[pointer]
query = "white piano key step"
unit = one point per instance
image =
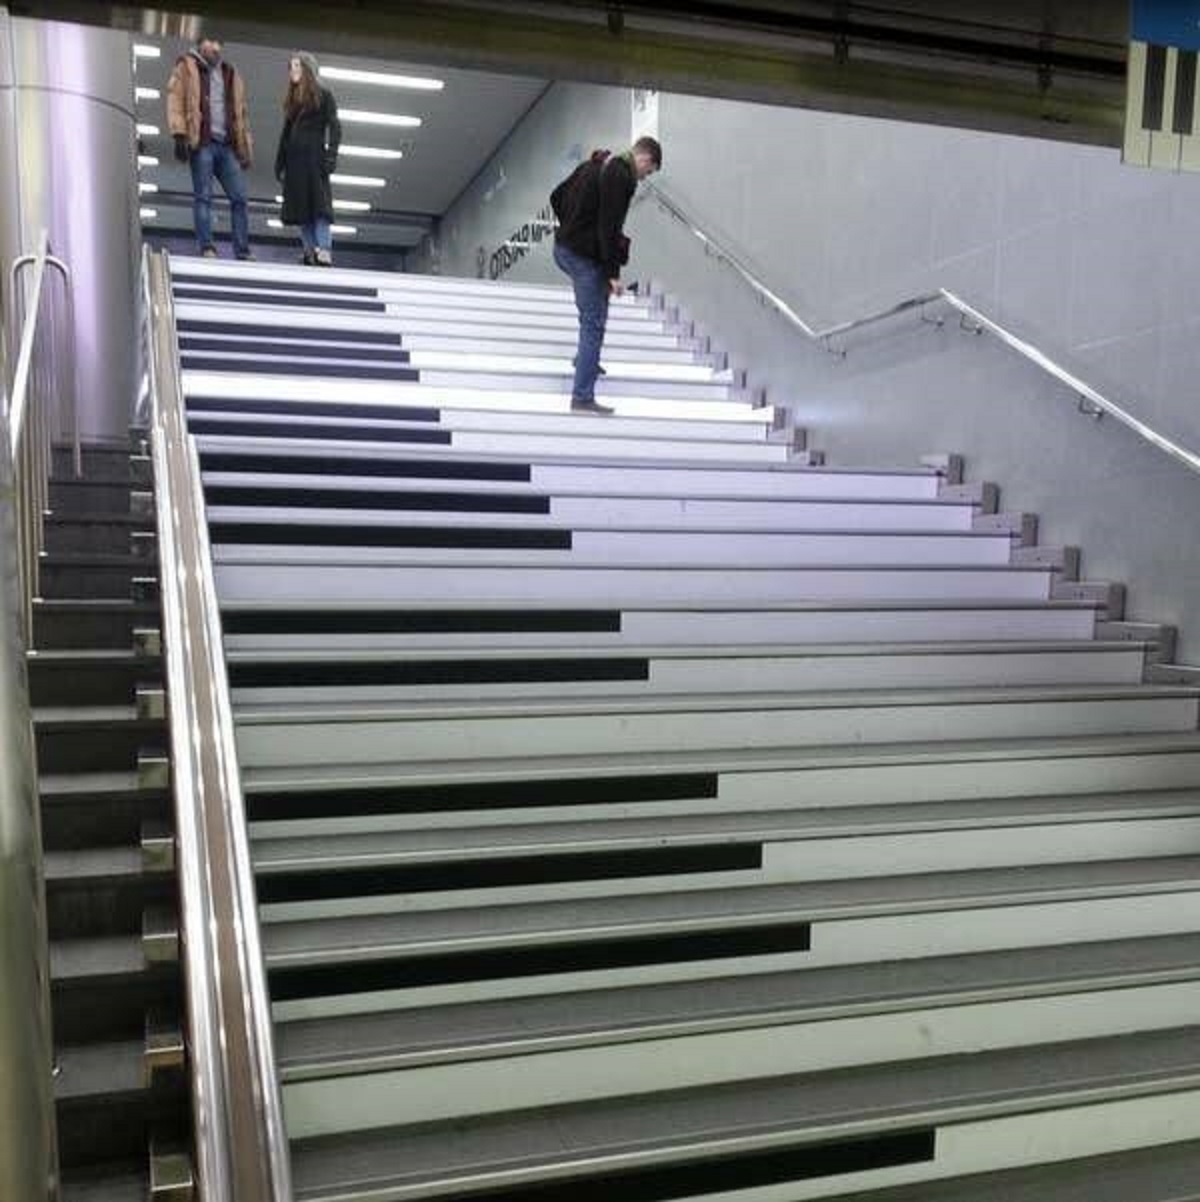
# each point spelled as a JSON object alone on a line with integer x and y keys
{"x": 366, "y": 421}
{"x": 337, "y": 800}
{"x": 243, "y": 576}
{"x": 424, "y": 1094}
{"x": 232, "y": 495}
{"x": 429, "y": 394}
{"x": 251, "y": 626}
{"x": 324, "y": 677}
{"x": 388, "y": 543}
{"x": 212, "y": 316}
{"x": 379, "y": 442}
{"x": 674, "y": 484}
{"x": 270, "y": 735}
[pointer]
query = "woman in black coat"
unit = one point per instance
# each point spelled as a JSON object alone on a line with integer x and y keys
{"x": 307, "y": 157}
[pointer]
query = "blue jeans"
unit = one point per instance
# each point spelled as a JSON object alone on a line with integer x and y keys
{"x": 317, "y": 235}
{"x": 591, "y": 299}
{"x": 216, "y": 160}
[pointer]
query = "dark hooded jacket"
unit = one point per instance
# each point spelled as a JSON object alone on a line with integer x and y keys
{"x": 591, "y": 205}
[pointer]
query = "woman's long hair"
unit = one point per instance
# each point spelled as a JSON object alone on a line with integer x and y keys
{"x": 302, "y": 97}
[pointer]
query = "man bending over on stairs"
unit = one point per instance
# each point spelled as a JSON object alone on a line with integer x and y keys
{"x": 591, "y": 205}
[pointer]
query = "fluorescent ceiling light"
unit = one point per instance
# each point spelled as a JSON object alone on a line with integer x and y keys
{"x": 383, "y": 79}
{"x": 142, "y": 50}
{"x": 365, "y": 117}
{"x": 147, "y": 131}
{"x": 279, "y": 200}
{"x": 146, "y": 94}
{"x": 148, "y": 214}
{"x": 144, "y": 187}
{"x": 349, "y": 230}
{"x": 359, "y": 181}
{"x": 369, "y": 152}
{"x": 147, "y": 160}
{"x": 352, "y": 206}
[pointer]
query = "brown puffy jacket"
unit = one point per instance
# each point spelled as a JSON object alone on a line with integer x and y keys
{"x": 187, "y": 108}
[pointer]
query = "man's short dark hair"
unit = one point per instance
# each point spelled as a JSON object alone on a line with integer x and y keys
{"x": 651, "y": 147}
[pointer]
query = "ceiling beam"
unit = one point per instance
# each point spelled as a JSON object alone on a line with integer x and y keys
{"x": 854, "y": 58}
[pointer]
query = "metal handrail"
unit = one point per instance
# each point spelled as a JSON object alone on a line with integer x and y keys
{"x": 241, "y": 1146}
{"x": 980, "y": 322}
{"x": 44, "y": 377}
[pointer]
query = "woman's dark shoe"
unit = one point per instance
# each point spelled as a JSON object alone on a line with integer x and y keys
{"x": 310, "y": 259}
{"x": 593, "y": 407}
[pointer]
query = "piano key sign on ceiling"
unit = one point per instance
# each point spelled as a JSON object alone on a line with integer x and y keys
{"x": 1162, "y": 117}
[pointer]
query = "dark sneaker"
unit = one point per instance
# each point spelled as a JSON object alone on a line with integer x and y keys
{"x": 246, "y": 258}
{"x": 593, "y": 407}
{"x": 310, "y": 259}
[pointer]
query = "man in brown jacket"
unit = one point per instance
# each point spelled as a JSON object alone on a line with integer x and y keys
{"x": 206, "y": 113}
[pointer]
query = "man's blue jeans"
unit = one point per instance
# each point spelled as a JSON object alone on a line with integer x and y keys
{"x": 317, "y": 235}
{"x": 591, "y": 299}
{"x": 216, "y": 160}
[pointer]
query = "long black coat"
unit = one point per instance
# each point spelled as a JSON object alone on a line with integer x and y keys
{"x": 307, "y": 157}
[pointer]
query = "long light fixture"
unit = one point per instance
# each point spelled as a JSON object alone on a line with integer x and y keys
{"x": 383, "y": 79}
{"x": 352, "y": 206}
{"x": 147, "y": 131}
{"x": 147, "y": 214}
{"x": 147, "y": 160}
{"x": 147, "y": 94}
{"x": 359, "y": 181}
{"x": 142, "y": 50}
{"x": 146, "y": 188}
{"x": 366, "y": 117}
{"x": 345, "y": 230}
{"x": 369, "y": 152}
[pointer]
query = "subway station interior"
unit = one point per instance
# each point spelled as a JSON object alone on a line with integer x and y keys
{"x": 600, "y": 601}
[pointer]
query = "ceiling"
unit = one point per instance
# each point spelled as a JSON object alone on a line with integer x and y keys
{"x": 462, "y": 126}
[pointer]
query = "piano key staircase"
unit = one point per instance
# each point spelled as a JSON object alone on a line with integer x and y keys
{"x": 643, "y": 810}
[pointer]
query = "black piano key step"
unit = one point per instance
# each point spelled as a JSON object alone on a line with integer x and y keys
{"x": 357, "y": 498}
{"x": 511, "y": 871}
{"x": 296, "y": 805}
{"x": 293, "y": 534}
{"x": 203, "y": 326}
{"x": 309, "y": 349}
{"x": 421, "y": 621}
{"x": 315, "y": 464}
{"x": 277, "y": 674}
{"x": 203, "y": 423}
{"x": 445, "y": 968}
{"x": 236, "y": 296}
{"x": 275, "y": 366}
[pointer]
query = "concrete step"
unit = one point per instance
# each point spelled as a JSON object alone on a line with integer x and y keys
{"x": 90, "y": 678}
{"x": 86, "y": 625}
{"x": 92, "y": 576}
{"x": 102, "y": 988}
{"x": 97, "y": 738}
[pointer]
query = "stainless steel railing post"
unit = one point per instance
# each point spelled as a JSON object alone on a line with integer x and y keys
{"x": 28, "y": 1144}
